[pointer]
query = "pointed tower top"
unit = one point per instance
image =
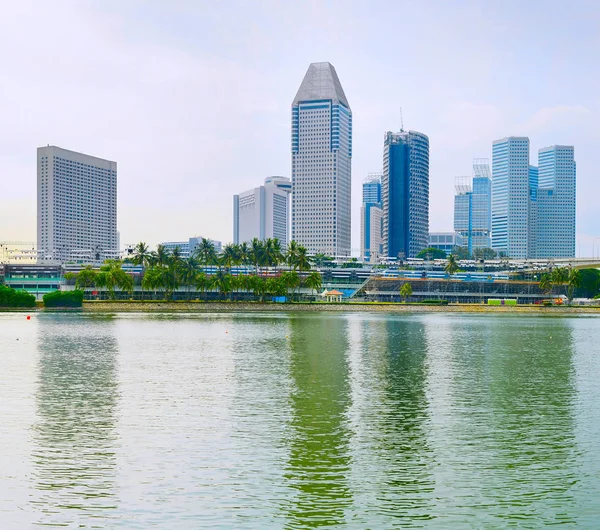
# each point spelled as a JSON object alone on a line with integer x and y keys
{"x": 321, "y": 82}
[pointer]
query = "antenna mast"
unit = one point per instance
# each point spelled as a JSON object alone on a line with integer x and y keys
{"x": 401, "y": 121}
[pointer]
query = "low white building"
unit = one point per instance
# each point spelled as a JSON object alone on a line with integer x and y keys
{"x": 263, "y": 212}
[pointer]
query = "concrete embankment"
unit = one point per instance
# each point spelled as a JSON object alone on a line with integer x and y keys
{"x": 222, "y": 307}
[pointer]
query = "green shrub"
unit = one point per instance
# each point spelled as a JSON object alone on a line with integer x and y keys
{"x": 11, "y": 298}
{"x": 64, "y": 299}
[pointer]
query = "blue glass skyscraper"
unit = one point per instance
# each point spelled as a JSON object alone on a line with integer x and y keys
{"x": 405, "y": 194}
{"x": 371, "y": 218}
{"x": 473, "y": 207}
{"x": 555, "y": 203}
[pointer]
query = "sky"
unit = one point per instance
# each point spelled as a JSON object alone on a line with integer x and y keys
{"x": 192, "y": 98}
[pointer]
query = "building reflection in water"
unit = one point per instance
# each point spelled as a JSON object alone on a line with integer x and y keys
{"x": 74, "y": 435}
{"x": 392, "y": 460}
{"x": 318, "y": 465}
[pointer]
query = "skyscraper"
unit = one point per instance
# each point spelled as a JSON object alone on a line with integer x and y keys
{"x": 76, "y": 207}
{"x": 263, "y": 212}
{"x": 555, "y": 198}
{"x": 473, "y": 206}
{"x": 405, "y": 194}
{"x": 371, "y": 243}
{"x": 321, "y": 163}
{"x": 511, "y": 197}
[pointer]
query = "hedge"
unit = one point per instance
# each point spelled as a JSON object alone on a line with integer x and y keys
{"x": 435, "y": 302}
{"x": 64, "y": 299}
{"x": 12, "y": 298}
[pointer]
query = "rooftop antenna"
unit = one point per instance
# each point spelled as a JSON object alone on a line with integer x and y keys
{"x": 401, "y": 121}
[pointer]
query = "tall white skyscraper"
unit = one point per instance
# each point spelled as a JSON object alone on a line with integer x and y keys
{"x": 321, "y": 163}
{"x": 77, "y": 206}
{"x": 263, "y": 212}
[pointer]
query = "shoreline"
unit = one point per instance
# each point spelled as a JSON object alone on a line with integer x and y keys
{"x": 238, "y": 307}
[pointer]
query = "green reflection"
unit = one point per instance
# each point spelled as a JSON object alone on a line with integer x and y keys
{"x": 76, "y": 398}
{"x": 397, "y": 424}
{"x": 318, "y": 445}
{"x": 516, "y": 397}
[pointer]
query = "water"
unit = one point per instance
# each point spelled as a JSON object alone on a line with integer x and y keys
{"x": 298, "y": 421}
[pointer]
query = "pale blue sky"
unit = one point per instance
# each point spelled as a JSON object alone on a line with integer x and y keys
{"x": 192, "y": 98}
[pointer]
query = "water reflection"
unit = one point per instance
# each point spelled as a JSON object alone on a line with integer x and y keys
{"x": 74, "y": 460}
{"x": 508, "y": 422}
{"x": 318, "y": 442}
{"x": 392, "y": 459}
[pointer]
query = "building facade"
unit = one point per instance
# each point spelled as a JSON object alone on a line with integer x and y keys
{"x": 405, "y": 194}
{"x": 446, "y": 241}
{"x": 321, "y": 163}
{"x": 371, "y": 219}
{"x": 554, "y": 203}
{"x": 76, "y": 207}
{"x": 473, "y": 206}
{"x": 263, "y": 212}
{"x": 187, "y": 248}
{"x": 511, "y": 197}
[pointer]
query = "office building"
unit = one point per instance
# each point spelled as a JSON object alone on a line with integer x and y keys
{"x": 473, "y": 206}
{"x": 263, "y": 212}
{"x": 187, "y": 248}
{"x": 76, "y": 207}
{"x": 371, "y": 219}
{"x": 553, "y": 203}
{"x": 405, "y": 194}
{"x": 446, "y": 241}
{"x": 321, "y": 163}
{"x": 511, "y": 197}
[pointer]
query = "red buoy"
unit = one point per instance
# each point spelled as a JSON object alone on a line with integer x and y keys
{"x": 28, "y": 317}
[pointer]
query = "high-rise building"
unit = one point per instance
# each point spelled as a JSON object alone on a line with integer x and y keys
{"x": 371, "y": 219}
{"x": 553, "y": 203}
{"x": 446, "y": 241}
{"x": 321, "y": 163}
{"x": 262, "y": 212}
{"x": 76, "y": 206}
{"x": 405, "y": 194}
{"x": 473, "y": 206}
{"x": 511, "y": 197}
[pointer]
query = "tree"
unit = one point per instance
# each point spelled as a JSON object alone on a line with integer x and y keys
{"x": 431, "y": 253}
{"x": 320, "y": 259}
{"x": 141, "y": 255}
{"x": 230, "y": 256}
{"x": 86, "y": 278}
{"x": 302, "y": 261}
{"x": 112, "y": 276}
{"x": 291, "y": 254}
{"x": 559, "y": 276}
{"x": 256, "y": 254}
{"x": 189, "y": 270}
{"x": 461, "y": 253}
{"x": 484, "y": 253}
{"x": 290, "y": 279}
{"x": 406, "y": 291}
{"x": 546, "y": 283}
{"x": 201, "y": 282}
{"x": 452, "y": 265}
{"x": 152, "y": 280}
{"x": 162, "y": 255}
{"x": 314, "y": 281}
{"x": 206, "y": 253}
{"x": 573, "y": 282}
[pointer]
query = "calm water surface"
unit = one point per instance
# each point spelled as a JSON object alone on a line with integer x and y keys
{"x": 297, "y": 421}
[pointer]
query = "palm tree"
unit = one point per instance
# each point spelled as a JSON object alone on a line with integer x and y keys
{"x": 256, "y": 254}
{"x": 302, "y": 261}
{"x": 452, "y": 265}
{"x": 189, "y": 270}
{"x": 319, "y": 259}
{"x": 229, "y": 256}
{"x": 406, "y": 291}
{"x": 546, "y": 283}
{"x": 152, "y": 279}
{"x": 290, "y": 279}
{"x": 314, "y": 281}
{"x": 244, "y": 253}
{"x": 206, "y": 253}
{"x": 112, "y": 276}
{"x": 141, "y": 255}
{"x": 222, "y": 282}
{"x": 291, "y": 254}
{"x": 573, "y": 282}
{"x": 559, "y": 276}
{"x": 201, "y": 282}
{"x": 162, "y": 255}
